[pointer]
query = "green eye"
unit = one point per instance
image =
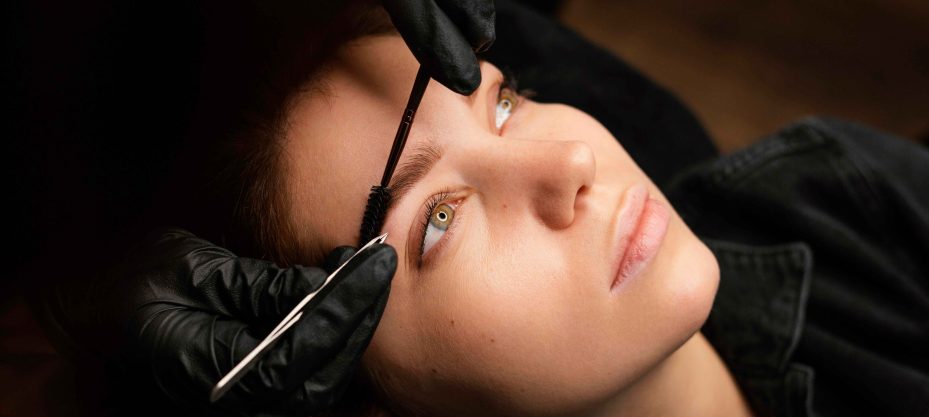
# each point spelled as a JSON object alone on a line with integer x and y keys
{"x": 439, "y": 221}
{"x": 506, "y": 103}
{"x": 442, "y": 217}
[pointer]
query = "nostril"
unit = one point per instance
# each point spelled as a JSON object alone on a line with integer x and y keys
{"x": 583, "y": 190}
{"x": 568, "y": 176}
{"x": 580, "y": 197}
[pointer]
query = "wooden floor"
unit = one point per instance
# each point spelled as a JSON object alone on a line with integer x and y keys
{"x": 748, "y": 67}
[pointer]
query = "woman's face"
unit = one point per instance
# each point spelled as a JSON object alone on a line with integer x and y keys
{"x": 514, "y": 308}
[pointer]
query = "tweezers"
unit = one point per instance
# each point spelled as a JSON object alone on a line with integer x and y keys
{"x": 229, "y": 380}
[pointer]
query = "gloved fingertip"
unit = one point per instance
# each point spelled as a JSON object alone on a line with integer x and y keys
{"x": 484, "y": 37}
{"x": 386, "y": 260}
{"x": 298, "y": 282}
{"x": 483, "y": 47}
{"x": 463, "y": 81}
{"x": 466, "y": 87}
{"x": 337, "y": 257}
{"x": 376, "y": 265}
{"x": 380, "y": 264}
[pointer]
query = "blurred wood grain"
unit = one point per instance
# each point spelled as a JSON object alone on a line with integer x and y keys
{"x": 748, "y": 67}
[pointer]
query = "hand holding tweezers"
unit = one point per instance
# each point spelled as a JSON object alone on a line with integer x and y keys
{"x": 372, "y": 223}
{"x": 237, "y": 372}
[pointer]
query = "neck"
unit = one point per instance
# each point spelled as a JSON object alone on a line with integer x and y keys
{"x": 693, "y": 381}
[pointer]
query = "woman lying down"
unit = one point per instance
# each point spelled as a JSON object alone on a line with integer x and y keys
{"x": 542, "y": 273}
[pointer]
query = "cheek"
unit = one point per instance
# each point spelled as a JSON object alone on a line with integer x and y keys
{"x": 495, "y": 305}
{"x": 511, "y": 328}
{"x": 685, "y": 281}
{"x": 474, "y": 331}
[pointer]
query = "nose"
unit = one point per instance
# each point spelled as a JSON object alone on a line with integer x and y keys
{"x": 545, "y": 177}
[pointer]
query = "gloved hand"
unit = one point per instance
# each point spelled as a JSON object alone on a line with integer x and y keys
{"x": 192, "y": 310}
{"x": 442, "y": 33}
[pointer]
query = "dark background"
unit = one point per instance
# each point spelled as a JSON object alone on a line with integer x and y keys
{"x": 92, "y": 84}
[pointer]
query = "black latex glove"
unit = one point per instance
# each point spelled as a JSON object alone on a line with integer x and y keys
{"x": 444, "y": 34}
{"x": 192, "y": 310}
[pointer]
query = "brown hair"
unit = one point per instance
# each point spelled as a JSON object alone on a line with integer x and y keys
{"x": 255, "y": 61}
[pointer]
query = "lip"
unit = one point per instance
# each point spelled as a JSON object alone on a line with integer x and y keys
{"x": 642, "y": 223}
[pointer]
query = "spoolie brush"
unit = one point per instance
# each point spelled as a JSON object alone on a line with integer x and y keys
{"x": 379, "y": 198}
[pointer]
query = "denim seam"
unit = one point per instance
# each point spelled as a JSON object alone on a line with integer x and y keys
{"x": 796, "y": 138}
{"x": 799, "y": 381}
{"x": 789, "y": 259}
{"x": 801, "y": 257}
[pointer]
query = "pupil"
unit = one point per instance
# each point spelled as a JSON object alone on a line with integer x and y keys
{"x": 442, "y": 216}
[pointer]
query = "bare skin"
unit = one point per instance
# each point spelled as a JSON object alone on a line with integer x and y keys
{"x": 515, "y": 307}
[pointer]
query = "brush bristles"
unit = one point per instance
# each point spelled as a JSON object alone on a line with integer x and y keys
{"x": 375, "y": 211}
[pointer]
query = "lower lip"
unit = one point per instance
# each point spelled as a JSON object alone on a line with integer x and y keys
{"x": 644, "y": 243}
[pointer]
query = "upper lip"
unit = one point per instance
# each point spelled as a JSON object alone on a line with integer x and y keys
{"x": 626, "y": 221}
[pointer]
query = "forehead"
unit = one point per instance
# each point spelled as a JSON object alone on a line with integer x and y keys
{"x": 337, "y": 138}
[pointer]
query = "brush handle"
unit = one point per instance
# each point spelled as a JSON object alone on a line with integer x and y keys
{"x": 406, "y": 122}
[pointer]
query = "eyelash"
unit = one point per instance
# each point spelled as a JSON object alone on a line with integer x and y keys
{"x": 431, "y": 205}
{"x": 507, "y": 88}
{"x": 509, "y": 82}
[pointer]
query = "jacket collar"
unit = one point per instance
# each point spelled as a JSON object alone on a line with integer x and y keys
{"x": 757, "y": 319}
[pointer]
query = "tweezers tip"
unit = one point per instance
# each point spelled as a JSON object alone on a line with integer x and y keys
{"x": 216, "y": 393}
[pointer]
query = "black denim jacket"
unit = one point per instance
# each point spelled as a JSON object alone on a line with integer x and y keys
{"x": 822, "y": 236}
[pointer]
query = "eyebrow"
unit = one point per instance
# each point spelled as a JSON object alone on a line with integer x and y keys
{"x": 423, "y": 157}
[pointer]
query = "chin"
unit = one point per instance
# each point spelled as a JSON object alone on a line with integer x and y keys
{"x": 683, "y": 286}
{"x": 694, "y": 289}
